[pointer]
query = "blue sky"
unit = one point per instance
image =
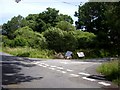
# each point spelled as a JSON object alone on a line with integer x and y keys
{"x": 10, "y": 8}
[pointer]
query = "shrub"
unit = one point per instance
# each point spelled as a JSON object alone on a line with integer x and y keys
{"x": 69, "y": 42}
{"x": 20, "y": 41}
{"x": 85, "y": 39}
{"x": 54, "y": 38}
{"x": 110, "y": 70}
{"x": 32, "y": 39}
{"x": 29, "y": 52}
{"x": 65, "y": 26}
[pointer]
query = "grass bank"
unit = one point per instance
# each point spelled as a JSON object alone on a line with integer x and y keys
{"x": 111, "y": 70}
{"x": 29, "y": 52}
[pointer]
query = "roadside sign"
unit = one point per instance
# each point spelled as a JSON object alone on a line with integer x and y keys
{"x": 80, "y": 54}
{"x": 68, "y": 54}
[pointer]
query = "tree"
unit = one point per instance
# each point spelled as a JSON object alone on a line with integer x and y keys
{"x": 60, "y": 40}
{"x": 67, "y": 18}
{"x": 65, "y": 26}
{"x": 33, "y": 39}
{"x": 54, "y": 37}
{"x": 49, "y": 16}
{"x": 112, "y": 15}
{"x": 11, "y": 26}
{"x": 31, "y": 21}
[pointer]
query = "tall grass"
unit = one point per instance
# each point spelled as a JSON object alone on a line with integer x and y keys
{"x": 111, "y": 70}
{"x": 29, "y": 52}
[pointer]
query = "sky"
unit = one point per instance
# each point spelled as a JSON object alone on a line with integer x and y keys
{"x": 9, "y": 8}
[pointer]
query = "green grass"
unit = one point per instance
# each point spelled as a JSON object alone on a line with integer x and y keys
{"x": 111, "y": 71}
{"x": 29, "y": 52}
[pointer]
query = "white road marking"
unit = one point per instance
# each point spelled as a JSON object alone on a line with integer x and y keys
{"x": 64, "y": 62}
{"x": 74, "y": 75}
{"x": 51, "y": 68}
{"x": 88, "y": 79}
{"x": 69, "y": 70}
{"x": 86, "y": 74}
{"x": 46, "y": 65}
{"x": 36, "y": 63}
{"x": 58, "y": 70}
{"x": 63, "y": 72}
{"x": 59, "y": 67}
{"x": 40, "y": 65}
{"x": 105, "y": 84}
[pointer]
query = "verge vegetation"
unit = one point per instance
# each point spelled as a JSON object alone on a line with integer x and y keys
{"x": 111, "y": 70}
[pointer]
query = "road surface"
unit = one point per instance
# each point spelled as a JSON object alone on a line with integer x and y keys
{"x": 19, "y": 72}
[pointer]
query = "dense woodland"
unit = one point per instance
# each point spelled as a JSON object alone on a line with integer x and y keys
{"x": 96, "y": 32}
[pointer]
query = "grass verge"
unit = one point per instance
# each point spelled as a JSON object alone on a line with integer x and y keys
{"x": 29, "y": 52}
{"x": 111, "y": 70}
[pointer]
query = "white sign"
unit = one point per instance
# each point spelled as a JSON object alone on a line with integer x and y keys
{"x": 80, "y": 54}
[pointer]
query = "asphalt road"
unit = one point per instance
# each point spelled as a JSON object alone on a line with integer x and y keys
{"x": 18, "y": 72}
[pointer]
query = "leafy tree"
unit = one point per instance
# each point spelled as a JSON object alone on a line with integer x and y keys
{"x": 54, "y": 38}
{"x": 67, "y": 18}
{"x": 32, "y": 38}
{"x": 49, "y": 16}
{"x": 69, "y": 42}
{"x": 65, "y": 26}
{"x": 31, "y": 21}
{"x": 112, "y": 15}
{"x": 98, "y": 18}
{"x": 84, "y": 39}
{"x": 11, "y": 26}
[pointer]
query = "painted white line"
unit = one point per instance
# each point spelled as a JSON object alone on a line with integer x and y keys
{"x": 51, "y": 68}
{"x": 40, "y": 65}
{"x": 64, "y": 62}
{"x": 82, "y": 73}
{"x": 88, "y": 79}
{"x": 105, "y": 84}
{"x": 74, "y": 75}
{"x": 44, "y": 66}
{"x": 69, "y": 70}
{"x": 36, "y": 63}
{"x": 59, "y": 67}
{"x": 58, "y": 70}
{"x": 63, "y": 72}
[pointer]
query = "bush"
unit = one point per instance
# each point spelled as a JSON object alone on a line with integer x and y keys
{"x": 110, "y": 70}
{"x": 65, "y": 26}
{"x": 69, "y": 42}
{"x": 30, "y": 38}
{"x": 85, "y": 39}
{"x": 59, "y": 40}
{"x": 29, "y": 52}
{"x": 54, "y": 38}
{"x": 20, "y": 41}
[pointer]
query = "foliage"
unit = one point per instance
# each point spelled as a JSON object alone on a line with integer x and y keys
{"x": 66, "y": 18}
{"x": 29, "y": 52}
{"x": 84, "y": 39}
{"x": 65, "y": 26}
{"x": 54, "y": 38}
{"x": 26, "y": 36}
{"x": 48, "y": 18}
{"x": 11, "y": 26}
{"x": 98, "y": 18}
{"x": 110, "y": 70}
{"x": 69, "y": 42}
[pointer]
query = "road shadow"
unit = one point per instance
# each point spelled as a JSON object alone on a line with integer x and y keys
{"x": 98, "y": 77}
{"x": 11, "y": 71}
